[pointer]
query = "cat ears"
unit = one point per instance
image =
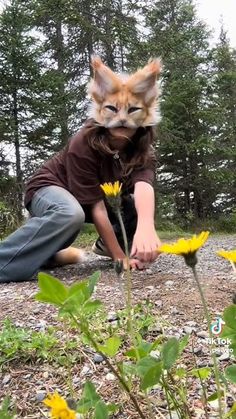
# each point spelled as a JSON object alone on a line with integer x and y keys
{"x": 142, "y": 83}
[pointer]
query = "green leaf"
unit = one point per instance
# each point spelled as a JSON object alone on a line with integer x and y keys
{"x": 214, "y": 396}
{"x": 93, "y": 280}
{"x": 77, "y": 288}
{"x": 146, "y": 364}
{"x": 183, "y": 343}
{"x": 230, "y": 373}
{"x": 52, "y": 290}
{"x": 127, "y": 369}
{"x": 142, "y": 350}
{"x": 91, "y": 306}
{"x": 202, "y": 373}
{"x": 152, "y": 376}
{"x": 157, "y": 343}
{"x": 101, "y": 410}
{"x": 112, "y": 407}
{"x": 90, "y": 391}
{"x": 230, "y": 316}
{"x": 111, "y": 346}
{"x": 170, "y": 353}
{"x": 227, "y": 332}
{"x": 89, "y": 398}
{"x": 181, "y": 372}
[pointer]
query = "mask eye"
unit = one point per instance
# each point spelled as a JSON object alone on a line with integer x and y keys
{"x": 112, "y": 108}
{"x": 133, "y": 109}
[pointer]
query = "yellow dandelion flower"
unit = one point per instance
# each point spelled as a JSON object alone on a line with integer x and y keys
{"x": 229, "y": 255}
{"x": 59, "y": 407}
{"x": 112, "y": 189}
{"x": 186, "y": 247}
{"x": 113, "y": 192}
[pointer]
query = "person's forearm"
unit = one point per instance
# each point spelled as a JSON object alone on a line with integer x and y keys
{"x": 105, "y": 230}
{"x": 144, "y": 200}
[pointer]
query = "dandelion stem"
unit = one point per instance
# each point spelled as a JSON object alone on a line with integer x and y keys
{"x": 129, "y": 300}
{"x": 213, "y": 356}
{"x": 128, "y": 274}
{"x": 82, "y": 325}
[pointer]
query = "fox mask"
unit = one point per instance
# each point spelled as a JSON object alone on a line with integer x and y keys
{"x": 123, "y": 100}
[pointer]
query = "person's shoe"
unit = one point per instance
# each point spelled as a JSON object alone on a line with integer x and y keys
{"x": 99, "y": 248}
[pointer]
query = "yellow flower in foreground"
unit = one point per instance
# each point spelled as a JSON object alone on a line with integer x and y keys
{"x": 59, "y": 407}
{"x": 186, "y": 247}
{"x": 229, "y": 255}
{"x": 112, "y": 189}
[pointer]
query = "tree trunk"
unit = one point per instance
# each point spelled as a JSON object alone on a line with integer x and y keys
{"x": 19, "y": 177}
{"x": 60, "y": 57}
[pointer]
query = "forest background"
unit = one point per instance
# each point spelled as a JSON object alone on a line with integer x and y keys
{"x": 45, "y": 49}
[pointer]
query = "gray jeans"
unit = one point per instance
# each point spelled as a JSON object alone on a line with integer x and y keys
{"x": 56, "y": 219}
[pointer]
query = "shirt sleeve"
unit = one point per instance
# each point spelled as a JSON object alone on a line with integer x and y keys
{"x": 146, "y": 174}
{"x": 82, "y": 177}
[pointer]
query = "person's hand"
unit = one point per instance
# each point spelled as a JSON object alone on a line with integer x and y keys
{"x": 145, "y": 245}
{"x": 133, "y": 264}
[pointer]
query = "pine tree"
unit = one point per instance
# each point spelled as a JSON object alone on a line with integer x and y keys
{"x": 18, "y": 75}
{"x": 224, "y": 122}
{"x": 181, "y": 40}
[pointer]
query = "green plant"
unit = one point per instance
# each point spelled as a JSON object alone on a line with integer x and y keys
{"x": 17, "y": 343}
{"x": 5, "y": 409}
{"x": 8, "y": 220}
{"x": 138, "y": 364}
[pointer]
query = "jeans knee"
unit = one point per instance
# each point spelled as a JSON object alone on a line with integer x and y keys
{"x": 75, "y": 218}
{"x": 70, "y": 219}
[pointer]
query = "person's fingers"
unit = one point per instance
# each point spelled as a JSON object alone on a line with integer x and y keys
{"x": 133, "y": 264}
{"x": 133, "y": 250}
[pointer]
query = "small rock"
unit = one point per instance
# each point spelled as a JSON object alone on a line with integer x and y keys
{"x": 205, "y": 363}
{"x": 155, "y": 354}
{"x": 110, "y": 377}
{"x": 97, "y": 359}
{"x": 169, "y": 283}
{"x": 36, "y": 310}
{"x": 197, "y": 350}
{"x": 224, "y": 357}
{"x": 214, "y": 404}
{"x": 155, "y": 330}
{"x": 203, "y": 334}
{"x": 41, "y": 396}
{"x": 188, "y": 330}
{"x": 191, "y": 323}
{"x": 6, "y": 379}
{"x": 174, "y": 310}
{"x": 217, "y": 352}
{"x": 112, "y": 316}
{"x": 85, "y": 370}
{"x": 76, "y": 380}
{"x": 41, "y": 325}
{"x": 159, "y": 303}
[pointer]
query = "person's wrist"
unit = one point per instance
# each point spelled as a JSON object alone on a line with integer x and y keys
{"x": 118, "y": 256}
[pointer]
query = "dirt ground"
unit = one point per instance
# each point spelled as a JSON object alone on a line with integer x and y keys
{"x": 169, "y": 286}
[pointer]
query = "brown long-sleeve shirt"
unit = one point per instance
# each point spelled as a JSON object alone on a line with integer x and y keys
{"x": 80, "y": 169}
